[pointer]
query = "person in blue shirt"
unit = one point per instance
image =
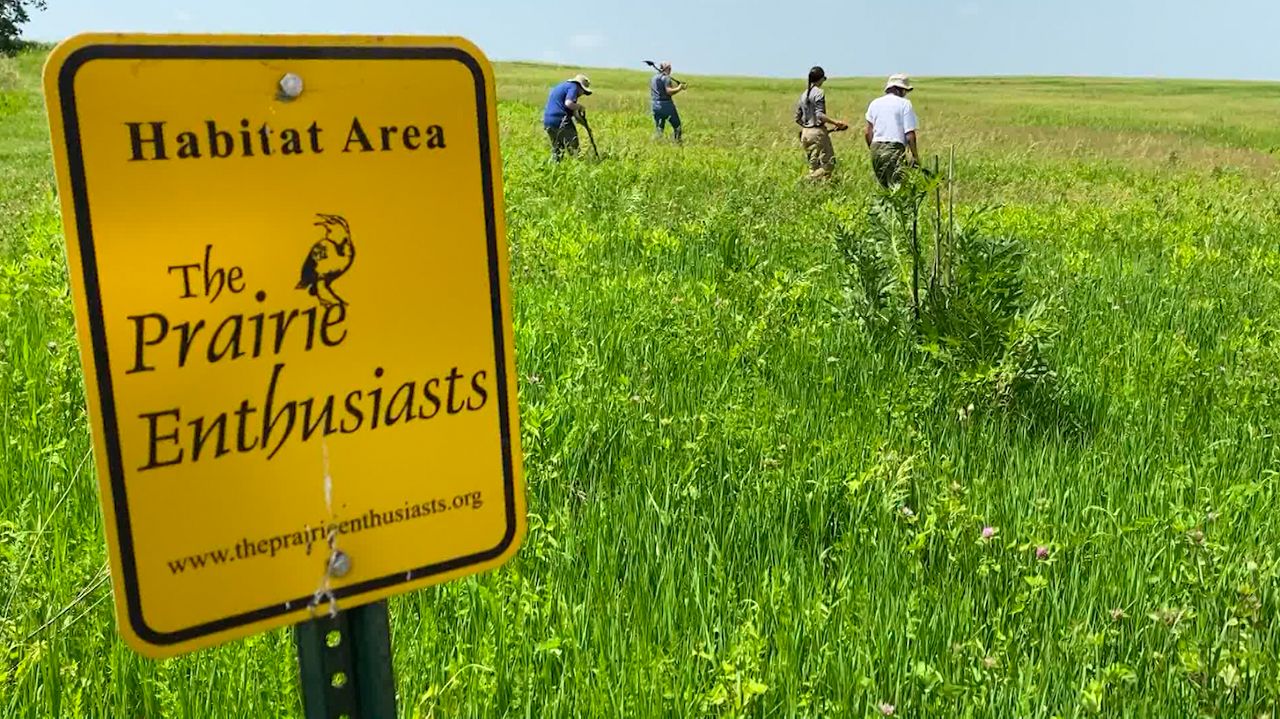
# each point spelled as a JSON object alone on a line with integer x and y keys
{"x": 557, "y": 118}
{"x": 661, "y": 89}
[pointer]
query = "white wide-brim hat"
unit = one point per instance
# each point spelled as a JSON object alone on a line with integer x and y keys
{"x": 583, "y": 81}
{"x": 899, "y": 80}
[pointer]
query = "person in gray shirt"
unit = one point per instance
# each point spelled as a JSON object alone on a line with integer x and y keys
{"x": 811, "y": 116}
{"x": 662, "y": 87}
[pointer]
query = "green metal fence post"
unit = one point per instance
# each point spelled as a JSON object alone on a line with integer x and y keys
{"x": 344, "y": 662}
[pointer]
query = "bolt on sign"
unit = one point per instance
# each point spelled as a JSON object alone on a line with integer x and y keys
{"x": 289, "y": 272}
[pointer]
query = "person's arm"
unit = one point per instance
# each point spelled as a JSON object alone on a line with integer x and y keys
{"x": 820, "y": 112}
{"x": 870, "y": 133}
{"x": 571, "y": 101}
{"x": 674, "y": 88}
{"x": 911, "y": 123}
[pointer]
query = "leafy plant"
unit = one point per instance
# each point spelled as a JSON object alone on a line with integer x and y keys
{"x": 13, "y": 15}
{"x": 983, "y": 336}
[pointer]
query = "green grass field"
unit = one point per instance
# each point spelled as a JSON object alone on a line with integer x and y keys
{"x": 754, "y": 488}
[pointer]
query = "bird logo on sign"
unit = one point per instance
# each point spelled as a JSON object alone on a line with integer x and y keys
{"x": 329, "y": 259}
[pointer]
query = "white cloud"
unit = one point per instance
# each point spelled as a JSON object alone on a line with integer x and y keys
{"x": 587, "y": 41}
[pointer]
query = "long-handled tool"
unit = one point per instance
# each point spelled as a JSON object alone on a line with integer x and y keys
{"x": 582, "y": 120}
{"x": 654, "y": 65}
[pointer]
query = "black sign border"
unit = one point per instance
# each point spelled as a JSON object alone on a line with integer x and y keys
{"x": 84, "y": 230}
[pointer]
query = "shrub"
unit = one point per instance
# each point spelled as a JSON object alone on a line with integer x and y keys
{"x": 977, "y": 330}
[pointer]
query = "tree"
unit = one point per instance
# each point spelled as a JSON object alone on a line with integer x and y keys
{"x": 13, "y": 14}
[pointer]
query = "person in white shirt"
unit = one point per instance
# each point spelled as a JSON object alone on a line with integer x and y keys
{"x": 891, "y": 131}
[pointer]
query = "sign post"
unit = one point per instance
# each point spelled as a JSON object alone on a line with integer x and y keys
{"x": 289, "y": 272}
{"x": 345, "y": 664}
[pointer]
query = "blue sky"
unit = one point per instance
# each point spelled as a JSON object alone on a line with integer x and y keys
{"x": 1160, "y": 38}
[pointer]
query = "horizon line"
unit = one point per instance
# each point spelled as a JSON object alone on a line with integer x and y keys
{"x": 50, "y": 44}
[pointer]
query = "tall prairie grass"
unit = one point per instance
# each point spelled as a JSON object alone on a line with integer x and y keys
{"x": 747, "y": 500}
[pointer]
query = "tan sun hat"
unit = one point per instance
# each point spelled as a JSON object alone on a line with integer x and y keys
{"x": 899, "y": 80}
{"x": 583, "y": 81}
{"x": 664, "y": 66}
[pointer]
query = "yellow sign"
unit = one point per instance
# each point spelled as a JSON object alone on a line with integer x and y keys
{"x": 289, "y": 271}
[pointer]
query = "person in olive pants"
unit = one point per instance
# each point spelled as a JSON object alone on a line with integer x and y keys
{"x": 891, "y": 131}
